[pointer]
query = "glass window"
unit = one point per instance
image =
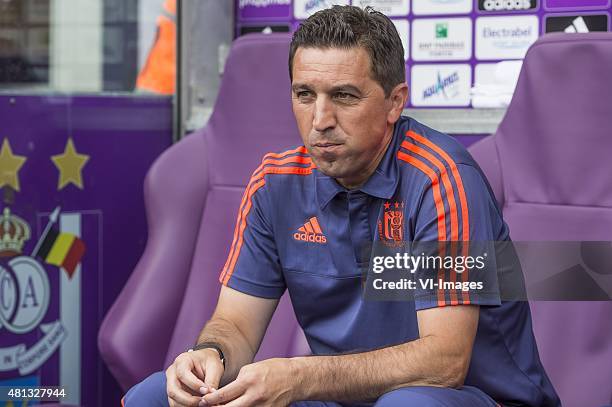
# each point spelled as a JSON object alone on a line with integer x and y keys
{"x": 88, "y": 45}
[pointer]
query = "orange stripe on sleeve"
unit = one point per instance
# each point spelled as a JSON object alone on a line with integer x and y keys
{"x": 300, "y": 150}
{"x": 239, "y": 220}
{"x": 452, "y": 205}
{"x": 258, "y": 174}
{"x": 455, "y": 172}
{"x": 465, "y": 229}
{"x": 450, "y": 194}
{"x": 297, "y": 159}
{"x": 435, "y": 183}
{"x": 235, "y": 238}
{"x": 245, "y": 212}
{"x": 257, "y": 183}
{"x": 268, "y": 159}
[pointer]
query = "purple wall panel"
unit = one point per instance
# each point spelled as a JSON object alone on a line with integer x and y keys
{"x": 119, "y": 137}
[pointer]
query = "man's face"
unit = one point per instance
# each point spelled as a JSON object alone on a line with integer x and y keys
{"x": 342, "y": 114}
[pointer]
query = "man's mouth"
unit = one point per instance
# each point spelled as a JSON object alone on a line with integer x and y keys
{"x": 327, "y": 151}
{"x": 326, "y": 146}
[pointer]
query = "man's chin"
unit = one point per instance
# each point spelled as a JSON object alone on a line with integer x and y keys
{"x": 333, "y": 171}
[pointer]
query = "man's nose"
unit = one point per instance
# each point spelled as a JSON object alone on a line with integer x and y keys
{"x": 324, "y": 115}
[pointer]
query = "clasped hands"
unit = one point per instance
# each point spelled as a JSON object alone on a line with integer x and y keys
{"x": 193, "y": 380}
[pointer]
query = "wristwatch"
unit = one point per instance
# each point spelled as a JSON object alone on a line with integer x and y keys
{"x": 209, "y": 345}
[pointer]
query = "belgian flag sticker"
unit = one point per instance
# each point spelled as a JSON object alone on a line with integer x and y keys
{"x": 60, "y": 248}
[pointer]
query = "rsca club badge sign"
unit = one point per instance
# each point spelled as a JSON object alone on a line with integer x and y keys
{"x": 25, "y": 290}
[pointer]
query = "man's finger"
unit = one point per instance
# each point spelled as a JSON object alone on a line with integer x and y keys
{"x": 226, "y": 394}
{"x": 199, "y": 370}
{"x": 213, "y": 371}
{"x": 184, "y": 373}
{"x": 190, "y": 380}
{"x": 182, "y": 397}
{"x": 241, "y": 401}
{"x": 176, "y": 393}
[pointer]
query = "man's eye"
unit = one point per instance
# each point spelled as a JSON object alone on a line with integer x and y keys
{"x": 304, "y": 94}
{"x": 344, "y": 96}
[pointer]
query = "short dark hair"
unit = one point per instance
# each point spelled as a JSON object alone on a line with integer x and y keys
{"x": 351, "y": 26}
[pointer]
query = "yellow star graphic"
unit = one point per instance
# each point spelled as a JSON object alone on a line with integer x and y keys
{"x": 70, "y": 164}
{"x": 9, "y": 166}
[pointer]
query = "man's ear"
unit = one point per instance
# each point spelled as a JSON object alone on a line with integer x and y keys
{"x": 398, "y": 98}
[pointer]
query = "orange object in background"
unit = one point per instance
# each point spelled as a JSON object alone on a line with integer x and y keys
{"x": 159, "y": 72}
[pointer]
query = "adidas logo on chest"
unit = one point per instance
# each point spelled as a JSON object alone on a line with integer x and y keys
{"x": 310, "y": 232}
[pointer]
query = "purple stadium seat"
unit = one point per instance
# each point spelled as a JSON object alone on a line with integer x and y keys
{"x": 192, "y": 195}
{"x": 550, "y": 167}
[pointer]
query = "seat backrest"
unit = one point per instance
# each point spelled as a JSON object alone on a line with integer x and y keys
{"x": 192, "y": 195}
{"x": 554, "y": 142}
{"x": 252, "y": 116}
{"x": 549, "y": 165}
